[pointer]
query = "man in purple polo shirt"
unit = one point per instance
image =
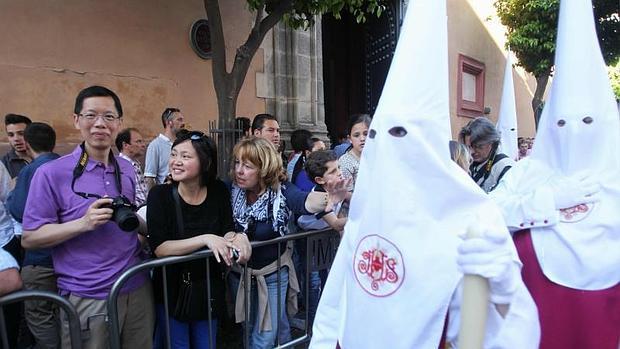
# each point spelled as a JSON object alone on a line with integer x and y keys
{"x": 90, "y": 251}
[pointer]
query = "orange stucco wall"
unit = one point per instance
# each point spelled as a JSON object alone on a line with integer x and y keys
{"x": 49, "y": 50}
{"x": 474, "y": 30}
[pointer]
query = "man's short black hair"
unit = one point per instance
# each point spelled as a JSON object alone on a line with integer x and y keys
{"x": 316, "y": 163}
{"x": 12, "y": 119}
{"x": 168, "y": 114}
{"x": 40, "y": 136}
{"x": 301, "y": 140}
{"x": 97, "y": 91}
{"x": 124, "y": 137}
{"x": 259, "y": 121}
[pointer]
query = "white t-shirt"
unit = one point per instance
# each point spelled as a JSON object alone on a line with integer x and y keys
{"x": 157, "y": 156}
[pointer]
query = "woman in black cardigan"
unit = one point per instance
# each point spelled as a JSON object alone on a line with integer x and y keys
{"x": 206, "y": 216}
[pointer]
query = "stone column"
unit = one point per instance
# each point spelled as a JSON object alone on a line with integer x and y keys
{"x": 292, "y": 81}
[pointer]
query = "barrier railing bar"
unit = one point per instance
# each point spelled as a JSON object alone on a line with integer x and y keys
{"x": 307, "y": 288}
{"x": 209, "y": 310}
{"x": 294, "y": 342}
{"x": 166, "y": 310}
{"x": 279, "y": 297}
{"x": 162, "y": 262}
{"x": 5, "y": 335}
{"x": 129, "y": 273}
{"x": 246, "y": 302}
{"x": 67, "y": 307}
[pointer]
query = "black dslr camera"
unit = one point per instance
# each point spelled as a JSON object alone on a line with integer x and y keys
{"x": 123, "y": 210}
{"x": 124, "y": 213}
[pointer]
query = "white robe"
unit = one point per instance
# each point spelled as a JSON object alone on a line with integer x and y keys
{"x": 519, "y": 329}
{"x": 576, "y": 249}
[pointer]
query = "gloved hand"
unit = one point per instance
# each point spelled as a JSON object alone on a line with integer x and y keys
{"x": 491, "y": 257}
{"x": 575, "y": 190}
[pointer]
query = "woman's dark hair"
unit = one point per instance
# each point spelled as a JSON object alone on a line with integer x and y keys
{"x": 356, "y": 119}
{"x": 301, "y": 141}
{"x": 205, "y": 149}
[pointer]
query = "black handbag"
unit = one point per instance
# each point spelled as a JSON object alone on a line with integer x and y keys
{"x": 191, "y": 303}
{"x": 192, "y": 299}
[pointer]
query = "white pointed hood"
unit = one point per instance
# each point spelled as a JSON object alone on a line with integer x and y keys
{"x": 507, "y": 120}
{"x": 580, "y": 89}
{"x": 579, "y": 131}
{"x": 411, "y": 202}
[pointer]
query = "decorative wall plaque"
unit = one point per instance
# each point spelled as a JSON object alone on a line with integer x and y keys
{"x": 200, "y": 38}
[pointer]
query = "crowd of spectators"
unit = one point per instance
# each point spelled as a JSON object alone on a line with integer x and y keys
{"x": 62, "y": 210}
{"x": 61, "y": 231}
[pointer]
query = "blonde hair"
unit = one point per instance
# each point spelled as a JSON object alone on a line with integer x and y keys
{"x": 460, "y": 154}
{"x": 262, "y": 154}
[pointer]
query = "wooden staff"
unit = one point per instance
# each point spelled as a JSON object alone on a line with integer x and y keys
{"x": 474, "y": 306}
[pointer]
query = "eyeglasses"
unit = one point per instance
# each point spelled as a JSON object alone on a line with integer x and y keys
{"x": 477, "y": 146}
{"x": 107, "y": 117}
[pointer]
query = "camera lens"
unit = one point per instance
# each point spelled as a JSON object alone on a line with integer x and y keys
{"x": 126, "y": 219}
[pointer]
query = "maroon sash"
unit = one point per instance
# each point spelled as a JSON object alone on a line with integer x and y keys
{"x": 569, "y": 318}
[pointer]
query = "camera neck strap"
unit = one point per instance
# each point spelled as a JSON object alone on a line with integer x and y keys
{"x": 81, "y": 165}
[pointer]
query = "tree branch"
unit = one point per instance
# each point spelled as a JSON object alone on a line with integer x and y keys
{"x": 218, "y": 58}
{"x": 275, "y": 16}
{"x": 537, "y": 100}
{"x": 246, "y": 52}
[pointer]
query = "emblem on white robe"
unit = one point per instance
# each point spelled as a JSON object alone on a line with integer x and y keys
{"x": 378, "y": 266}
{"x": 576, "y": 213}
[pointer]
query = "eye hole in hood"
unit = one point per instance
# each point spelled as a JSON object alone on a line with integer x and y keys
{"x": 372, "y": 133}
{"x": 561, "y": 122}
{"x": 398, "y": 131}
{"x": 588, "y": 120}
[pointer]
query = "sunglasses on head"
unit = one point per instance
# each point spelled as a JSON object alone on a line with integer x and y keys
{"x": 196, "y": 135}
{"x": 169, "y": 112}
{"x": 191, "y": 135}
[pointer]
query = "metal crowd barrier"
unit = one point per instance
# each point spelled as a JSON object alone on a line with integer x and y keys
{"x": 320, "y": 251}
{"x": 64, "y": 304}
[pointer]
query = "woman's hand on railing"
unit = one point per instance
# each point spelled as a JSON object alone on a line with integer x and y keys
{"x": 220, "y": 247}
{"x": 241, "y": 244}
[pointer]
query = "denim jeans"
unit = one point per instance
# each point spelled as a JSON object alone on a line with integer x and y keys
{"x": 183, "y": 335}
{"x": 264, "y": 339}
{"x": 316, "y": 281}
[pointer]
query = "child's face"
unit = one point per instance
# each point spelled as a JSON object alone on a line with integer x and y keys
{"x": 331, "y": 174}
{"x": 318, "y": 145}
{"x": 357, "y": 137}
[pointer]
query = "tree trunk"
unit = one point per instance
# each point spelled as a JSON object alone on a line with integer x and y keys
{"x": 537, "y": 100}
{"x": 228, "y": 85}
{"x": 226, "y": 110}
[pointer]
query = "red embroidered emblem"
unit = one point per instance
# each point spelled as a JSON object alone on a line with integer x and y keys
{"x": 378, "y": 266}
{"x": 575, "y": 213}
